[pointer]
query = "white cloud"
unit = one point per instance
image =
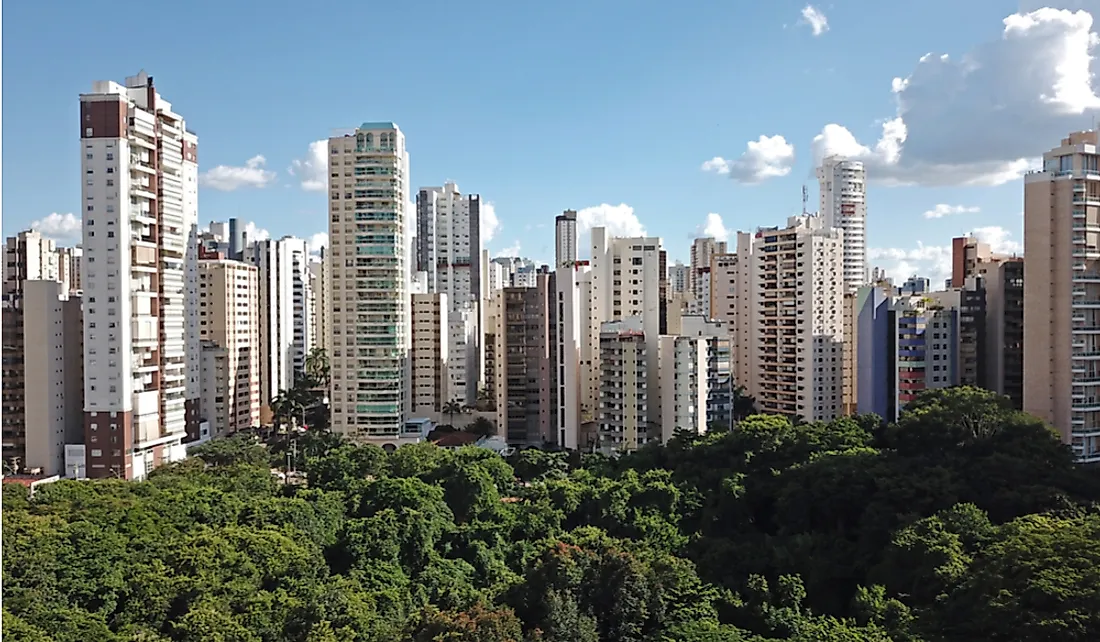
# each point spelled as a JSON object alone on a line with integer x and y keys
{"x": 981, "y": 119}
{"x": 226, "y": 178}
{"x": 941, "y": 210}
{"x": 813, "y": 17}
{"x": 715, "y": 227}
{"x": 764, "y": 158}
{"x": 489, "y": 222}
{"x": 312, "y": 171}
{"x": 317, "y": 242}
{"x": 254, "y": 233}
{"x": 934, "y": 261}
{"x": 619, "y": 220}
{"x": 59, "y": 227}
{"x": 511, "y": 250}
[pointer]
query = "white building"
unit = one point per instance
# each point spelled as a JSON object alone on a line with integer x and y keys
{"x": 842, "y": 186}
{"x": 571, "y": 341}
{"x": 319, "y": 302}
{"x": 430, "y": 337}
{"x": 69, "y": 270}
{"x": 369, "y": 261}
{"x": 683, "y": 384}
{"x": 449, "y": 250}
{"x": 679, "y": 278}
{"x": 229, "y": 327}
{"x": 628, "y": 279}
{"x": 139, "y": 190}
{"x": 798, "y": 319}
{"x": 285, "y": 295}
{"x": 622, "y": 419}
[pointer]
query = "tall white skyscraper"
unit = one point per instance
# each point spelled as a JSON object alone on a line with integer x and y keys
{"x": 842, "y": 186}
{"x": 139, "y": 169}
{"x": 448, "y": 250}
{"x": 570, "y": 331}
{"x": 369, "y": 262}
{"x": 285, "y": 293}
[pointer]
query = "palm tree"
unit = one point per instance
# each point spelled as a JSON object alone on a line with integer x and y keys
{"x": 317, "y": 367}
{"x": 279, "y": 406}
{"x": 452, "y": 408}
{"x": 482, "y": 426}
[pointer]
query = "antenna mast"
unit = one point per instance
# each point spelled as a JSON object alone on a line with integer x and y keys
{"x": 805, "y": 199}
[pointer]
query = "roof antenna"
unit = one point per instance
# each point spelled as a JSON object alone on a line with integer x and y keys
{"x": 805, "y": 200}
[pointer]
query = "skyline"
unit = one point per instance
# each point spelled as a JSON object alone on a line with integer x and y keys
{"x": 504, "y": 116}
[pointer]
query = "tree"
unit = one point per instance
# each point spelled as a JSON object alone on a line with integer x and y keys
{"x": 482, "y": 426}
{"x": 317, "y": 367}
{"x": 452, "y": 408}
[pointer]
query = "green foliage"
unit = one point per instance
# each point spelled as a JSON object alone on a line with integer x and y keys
{"x": 964, "y": 521}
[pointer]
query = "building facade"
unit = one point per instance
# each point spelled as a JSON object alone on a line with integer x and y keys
{"x": 430, "y": 335}
{"x": 139, "y": 168}
{"x": 524, "y": 390}
{"x": 369, "y": 257}
{"x": 229, "y": 319}
{"x": 283, "y": 276}
{"x": 1061, "y": 291}
{"x": 842, "y": 189}
{"x": 623, "y": 417}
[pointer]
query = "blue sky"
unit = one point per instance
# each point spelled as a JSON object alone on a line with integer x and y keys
{"x": 576, "y": 104}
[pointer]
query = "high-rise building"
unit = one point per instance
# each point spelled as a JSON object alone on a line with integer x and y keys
{"x": 369, "y": 262}
{"x": 429, "y": 355}
{"x": 139, "y": 168}
{"x": 702, "y": 251}
{"x": 1062, "y": 291}
{"x": 623, "y": 419}
{"x": 565, "y": 239}
{"x": 284, "y": 286}
{"x": 684, "y": 385}
{"x": 69, "y": 269}
{"x": 319, "y": 312}
{"x": 798, "y": 319}
{"x": 524, "y": 389}
{"x": 679, "y": 276}
{"x": 628, "y": 279}
{"x": 842, "y": 188}
{"x": 229, "y": 322}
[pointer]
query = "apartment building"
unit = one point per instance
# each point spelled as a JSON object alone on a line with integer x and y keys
{"x": 628, "y": 279}
{"x": 430, "y": 335}
{"x": 524, "y": 387}
{"x": 927, "y": 348}
{"x": 875, "y": 341}
{"x": 1062, "y": 291}
{"x": 370, "y": 264}
{"x": 69, "y": 270}
{"x": 842, "y": 189}
{"x": 720, "y": 366}
{"x": 320, "y": 333}
{"x": 229, "y": 327}
{"x": 969, "y": 303}
{"x": 283, "y": 276}
{"x": 684, "y": 385}
{"x": 703, "y": 250}
{"x": 565, "y": 239}
{"x": 27, "y": 256}
{"x": 798, "y": 319}
{"x": 139, "y": 190}
{"x": 679, "y": 276}
{"x": 53, "y": 379}
{"x": 732, "y": 300}
{"x": 623, "y": 416}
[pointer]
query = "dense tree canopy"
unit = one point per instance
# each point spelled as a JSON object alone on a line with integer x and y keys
{"x": 965, "y": 520}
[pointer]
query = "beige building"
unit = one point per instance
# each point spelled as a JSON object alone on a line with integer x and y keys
{"x": 524, "y": 388}
{"x": 53, "y": 380}
{"x": 69, "y": 270}
{"x": 229, "y": 322}
{"x": 798, "y": 319}
{"x": 430, "y": 323}
{"x": 684, "y": 384}
{"x": 319, "y": 331}
{"x": 622, "y": 418}
{"x": 369, "y": 259}
{"x": 1062, "y": 292}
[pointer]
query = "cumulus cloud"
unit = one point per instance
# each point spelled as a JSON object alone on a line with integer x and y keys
{"x": 252, "y": 232}
{"x": 489, "y": 221}
{"x": 312, "y": 171}
{"x": 619, "y": 220}
{"x": 317, "y": 242}
{"x": 59, "y": 227}
{"x": 941, "y": 210}
{"x": 934, "y": 261}
{"x": 816, "y": 20}
{"x": 714, "y": 227}
{"x": 982, "y": 118}
{"x": 227, "y": 178}
{"x": 764, "y": 158}
{"x": 510, "y": 251}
